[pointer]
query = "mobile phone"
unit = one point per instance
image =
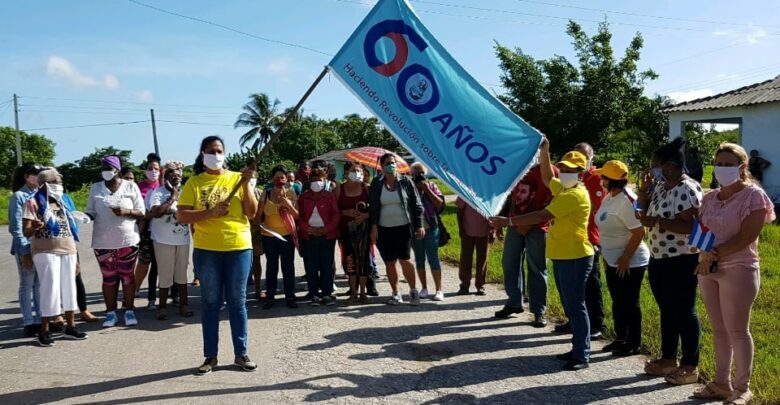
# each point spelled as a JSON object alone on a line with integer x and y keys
{"x": 714, "y": 267}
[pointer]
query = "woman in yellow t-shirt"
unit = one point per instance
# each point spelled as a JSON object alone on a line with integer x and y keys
{"x": 279, "y": 206}
{"x": 567, "y": 244}
{"x": 223, "y": 246}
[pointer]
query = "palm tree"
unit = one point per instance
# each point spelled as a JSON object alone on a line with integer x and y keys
{"x": 260, "y": 116}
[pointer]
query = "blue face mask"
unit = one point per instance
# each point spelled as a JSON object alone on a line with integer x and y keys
{"x": 390, "y": 169}
{"x": 658, "y": 174}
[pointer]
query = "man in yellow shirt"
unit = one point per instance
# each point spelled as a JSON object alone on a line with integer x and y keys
{"x": 567, "y": 244}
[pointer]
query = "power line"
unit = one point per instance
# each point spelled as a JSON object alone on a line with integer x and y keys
{"x": 98, "y": 109}
{"x": 225, "y": 27}
{"x": 743, "y": 74}
{"x": 197, "y": 123}
{"x": 126, "y": 102}
{"x": 88, "y": 125}
{"x": 601, "y": 10}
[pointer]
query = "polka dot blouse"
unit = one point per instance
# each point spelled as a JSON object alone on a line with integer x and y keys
{"x": 669, "y": 203}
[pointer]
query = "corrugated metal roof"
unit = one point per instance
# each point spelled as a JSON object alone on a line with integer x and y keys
{"x": 764, "y": 92}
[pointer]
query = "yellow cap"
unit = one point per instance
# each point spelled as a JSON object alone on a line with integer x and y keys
{"x": 574, "y": 160}
{"x": 614, "y": 170}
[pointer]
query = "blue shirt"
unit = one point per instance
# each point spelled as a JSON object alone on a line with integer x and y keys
{"x": 19, "y": 243}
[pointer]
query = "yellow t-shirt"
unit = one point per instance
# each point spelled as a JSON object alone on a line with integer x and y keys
{"x": 222, "y": 234}
{"x": 568, "y": 235}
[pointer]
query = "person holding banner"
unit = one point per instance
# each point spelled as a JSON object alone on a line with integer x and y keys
{"x": 567, "y": 244}
{"x": 674, "y": 202}
{"x": 223, "y": 246}
{"x": 396, "y": 215}
{"x": 729, "y": 274}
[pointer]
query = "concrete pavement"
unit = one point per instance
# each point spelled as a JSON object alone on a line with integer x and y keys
{"x": 447, "y": 352}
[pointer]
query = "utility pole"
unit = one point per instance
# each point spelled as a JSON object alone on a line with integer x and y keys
{"x": 154, "y": 133}
{"x": 18, "y": 134}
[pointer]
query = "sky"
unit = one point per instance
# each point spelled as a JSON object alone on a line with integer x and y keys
{"x": 87, "y": 62}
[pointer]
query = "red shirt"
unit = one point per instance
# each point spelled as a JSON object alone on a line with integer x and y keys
{"x": 596, "y": 192}
{"x": 531, "y": 195}
{"x": 326, "y": 207}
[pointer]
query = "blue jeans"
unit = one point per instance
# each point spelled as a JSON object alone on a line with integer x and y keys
{"x": 29, "y": 294}
{"x": 318, "y": 254}
{"x": 276, "y": 250}
{"x": 427, "y": 247}
{"x": 571, "y": 277}
{"x": 530, "y": 247}
{"x": 223, "y": 278}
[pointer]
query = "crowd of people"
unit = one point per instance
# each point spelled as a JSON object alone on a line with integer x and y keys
{"x": 570, "y": 213}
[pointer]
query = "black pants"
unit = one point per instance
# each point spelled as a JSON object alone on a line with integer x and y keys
{"x": 81, "y": 293}
{"x": 674, "y": 287}
{"x": 593, "y": 298}
{"x": 626, "y": 310}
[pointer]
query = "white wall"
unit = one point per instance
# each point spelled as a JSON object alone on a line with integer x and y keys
{"x": 760, "y": 130}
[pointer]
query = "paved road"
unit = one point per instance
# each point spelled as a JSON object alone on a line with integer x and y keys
{"x": 448, "y": 352}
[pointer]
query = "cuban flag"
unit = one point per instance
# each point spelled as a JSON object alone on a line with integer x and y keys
{"x": 701, "y": 237}
{"x": 438, "y": 112}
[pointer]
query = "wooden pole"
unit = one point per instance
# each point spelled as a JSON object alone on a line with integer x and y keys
{"x": 290, "y": 115}
{"x": 18, "y": 134}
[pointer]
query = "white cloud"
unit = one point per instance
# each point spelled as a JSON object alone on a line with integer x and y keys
{"x": 144, "y": 96}
{"x": 751, "y": 37}
{"x": 683, "y": 96}
{"x": 279, "y": 66}
{"x": 61, "y": 69}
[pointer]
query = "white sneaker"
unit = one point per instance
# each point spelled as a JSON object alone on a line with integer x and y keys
{"x": 130, "y": 319}
{"x": 424, "y": 293}
{"x": 439, "y": 296}
{"x": 395, "y": 299}
{"x": 414, "y": 297}
{"x": 110, "y": 321}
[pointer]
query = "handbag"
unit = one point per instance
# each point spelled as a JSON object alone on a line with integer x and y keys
{"x": 444, "y": 235}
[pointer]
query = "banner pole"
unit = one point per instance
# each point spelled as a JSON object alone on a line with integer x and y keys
{"x": 290, "y": 115}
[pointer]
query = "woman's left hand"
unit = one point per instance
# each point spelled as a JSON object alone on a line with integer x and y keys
{"x": 420, "y": 234}
{"x": 703, "y": 269}
{"x": 623, "y": 266}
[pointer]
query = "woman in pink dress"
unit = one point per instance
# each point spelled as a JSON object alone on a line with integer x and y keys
{"x": 729, "y": 275}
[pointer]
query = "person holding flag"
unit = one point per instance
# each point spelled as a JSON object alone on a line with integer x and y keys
{"x": 674, "y": 202}
{"x": 223, "y": 246}
{"x": 729, "y": 273}
{"x": 567, "y": 244}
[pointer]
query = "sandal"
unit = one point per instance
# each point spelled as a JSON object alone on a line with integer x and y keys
{"x": 739, "y": 398}
{"x": 683, "y": 376}
{"x": 87, "y": 316}
{"x": 712, "y": 391}
{"x": 185, "y": 312}
{"x": 660, "y": 367}
{"x": 363, "y": 298}
{"x": 162, "y": 315}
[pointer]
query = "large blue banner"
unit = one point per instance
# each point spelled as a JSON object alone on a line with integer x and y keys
{"x": 437, "y": 111}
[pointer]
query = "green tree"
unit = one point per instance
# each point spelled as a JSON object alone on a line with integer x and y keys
{"x": 260, "y": 116}
{"x": 87, "y": 169}
{"x": 306, "y": 139}
{"x": 35, "y": 148}
{"x": 570, "y": 104}
{"x": 356, "y": 131}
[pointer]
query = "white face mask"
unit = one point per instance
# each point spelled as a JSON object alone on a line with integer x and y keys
{"x": 153, "y": 175}
{"x": 317, "y": 186}
{"x": 214, "y": 161}
{"x": 54, "y": 190}
{"x": 727, "y": 176}
{"x": 108, "y": 174}
{"x": 355, "y": 177}
{"x": 569, "y": 180}
{"x": 252, "y": 183}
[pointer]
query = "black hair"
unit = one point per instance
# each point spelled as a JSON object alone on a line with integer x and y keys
{"x": 319, "y": 163}
{"x": 671, "y": 152}
{"x": 153, "y": 157}
{"x": 125, "y": 170}
{"x": 615, "y": 184}
{"x": 199, "y": 167}
{"x": 20, "y": 173}
{"x": 278, "y": 169}
{"x": 385, "y": 157}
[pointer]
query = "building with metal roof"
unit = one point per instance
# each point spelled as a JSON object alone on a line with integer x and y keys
{"x": 755, "y": 108}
